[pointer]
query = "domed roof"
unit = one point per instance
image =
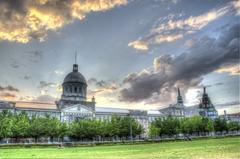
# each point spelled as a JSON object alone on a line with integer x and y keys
{"x": 75, "y": 76}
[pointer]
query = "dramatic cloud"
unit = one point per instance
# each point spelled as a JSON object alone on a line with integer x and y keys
{"x": 185, "y": 70}
{"x": 169, "y": 29}
{"x": 23, "y": 20}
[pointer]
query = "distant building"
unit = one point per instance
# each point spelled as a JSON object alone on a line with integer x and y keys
{"x": 175, "y": 110}
{"x": 231, "y": 117}
{"x": 206, "y": 108}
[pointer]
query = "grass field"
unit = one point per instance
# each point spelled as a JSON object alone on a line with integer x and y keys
{"x": 224, "y": 148}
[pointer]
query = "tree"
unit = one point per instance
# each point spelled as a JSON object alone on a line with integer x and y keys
{"x": 186, "y": 126}
{"x": 21, "y": 126}
{"x": 233, "y": 126}
{"x": 63, "y": 130}
{"x": 6, "y": 124}
{"x": 37, "y": 127}
{"x": 170, "y": 126}
{"x": 154, "y": 131}
{"x": 129, "y": 126}
{"x": 51, "y": 127}
{"x": 206, "y": 125}
{"x": 220, "y": 125}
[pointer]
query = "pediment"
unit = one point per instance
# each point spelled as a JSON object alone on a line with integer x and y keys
{"x": 78, "y": 108}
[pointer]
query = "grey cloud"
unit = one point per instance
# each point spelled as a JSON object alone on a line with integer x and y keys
{"x": 44, "y": 84}
{"x": 26, "y": 77}
{"x": 186, "y": 70}
{"x": 34, "y": 56}
{"x": 101, "y": 87}
{"x": 14, "y": 65}
{"x": 100, "y": 83}
{"x": 92, "y": 81}
{"x": 9, "y": 88}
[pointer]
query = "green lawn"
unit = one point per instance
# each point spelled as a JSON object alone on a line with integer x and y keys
{"x": 224, "y": 148}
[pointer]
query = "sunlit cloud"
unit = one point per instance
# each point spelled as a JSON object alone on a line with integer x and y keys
{"x": 139, "y": 45}
{"x": 167, "y": 38}
{"x": 57, "y": 72}
{"x": 170, "y": 29}
{"x": 34, "y": 18}
{"x": 236, "y": 5}
{"x": 231, "y": 69}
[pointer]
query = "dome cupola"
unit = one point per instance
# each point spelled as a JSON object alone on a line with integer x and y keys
{"x": 74, "y": 86}
{"x": 75, "y": 76}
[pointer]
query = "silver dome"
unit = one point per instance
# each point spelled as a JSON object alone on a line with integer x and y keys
{"x": 75, "y": 77}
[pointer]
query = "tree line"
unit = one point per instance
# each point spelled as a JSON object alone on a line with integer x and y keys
{"x": 21, "y": 126}
{"x": 195, "y": 125}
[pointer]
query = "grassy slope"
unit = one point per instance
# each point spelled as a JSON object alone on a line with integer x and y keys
{"x": 200, "y": 149}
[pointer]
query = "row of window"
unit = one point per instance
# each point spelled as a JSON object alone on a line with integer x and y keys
{"x": 74, "y": 89}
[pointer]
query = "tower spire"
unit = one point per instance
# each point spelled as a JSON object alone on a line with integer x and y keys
{"x": 75, "y": 57}
{"x": 204, "y": 90}
{"x": 179, "y": 97}
{"x": 75, "y": 66}
{"x": 179, "y": 94}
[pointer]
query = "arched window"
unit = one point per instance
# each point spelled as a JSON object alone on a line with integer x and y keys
{"x": 75, "y": 89}
{"x": 81, "y": 90}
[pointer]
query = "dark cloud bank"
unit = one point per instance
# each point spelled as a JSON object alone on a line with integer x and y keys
{"x": 186, "y": 70}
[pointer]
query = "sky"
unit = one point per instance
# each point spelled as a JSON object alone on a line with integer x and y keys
{"x": 133, "y": 53}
